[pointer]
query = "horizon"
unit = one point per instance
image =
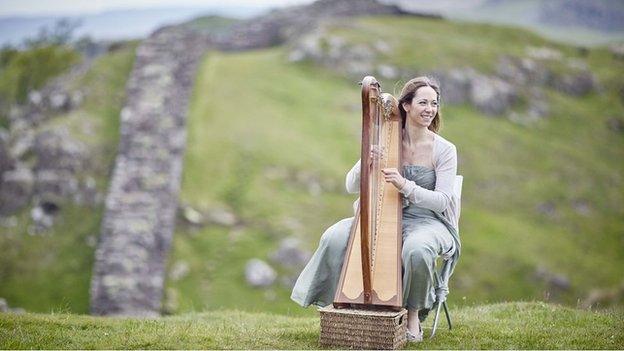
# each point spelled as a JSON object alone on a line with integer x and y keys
{"x": 73, "y": 8}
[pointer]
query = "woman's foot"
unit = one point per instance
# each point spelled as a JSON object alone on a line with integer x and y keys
{"x": 414, "y": 331}
{"x": 414, "y": 337}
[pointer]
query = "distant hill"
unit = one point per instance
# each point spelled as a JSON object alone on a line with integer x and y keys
{"x": 117, "y": 25}
{"x": 588, "y": 23}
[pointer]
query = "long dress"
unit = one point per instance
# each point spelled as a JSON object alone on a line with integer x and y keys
{"x": 426, "y": 235}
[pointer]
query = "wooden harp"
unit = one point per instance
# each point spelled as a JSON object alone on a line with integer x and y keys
{"x": 371, "y": 270}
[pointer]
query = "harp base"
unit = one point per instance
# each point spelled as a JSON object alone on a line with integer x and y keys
{"x": 371, "y": 307}
{"x": 363, "y": 329}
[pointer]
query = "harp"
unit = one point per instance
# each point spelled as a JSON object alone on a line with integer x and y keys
{"x": 371, "y": 270}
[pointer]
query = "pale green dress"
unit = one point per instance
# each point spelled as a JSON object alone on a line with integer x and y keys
{"x": 426, "y": 235}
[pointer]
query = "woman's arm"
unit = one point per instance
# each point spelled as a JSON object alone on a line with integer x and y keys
{"x": 439, "y": 199}
{"x": 353, "y": 179}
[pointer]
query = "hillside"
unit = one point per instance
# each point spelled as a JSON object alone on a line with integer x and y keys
{"x": 521, "y": 325}
{"x": 277, "y": 157}
{"x": 269, "y": 142}
{"x": 51, "y": 269}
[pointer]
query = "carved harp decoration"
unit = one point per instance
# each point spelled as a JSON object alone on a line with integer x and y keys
{"x": 371, "y": 271}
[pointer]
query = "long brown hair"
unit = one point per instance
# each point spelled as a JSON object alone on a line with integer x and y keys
{"x": 407, "y": 95}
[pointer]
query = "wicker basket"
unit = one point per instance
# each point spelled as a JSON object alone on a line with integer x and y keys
{"x": 362, "y": 329}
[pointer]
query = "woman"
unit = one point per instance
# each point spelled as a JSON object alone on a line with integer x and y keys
{"x": 429, "y": 228}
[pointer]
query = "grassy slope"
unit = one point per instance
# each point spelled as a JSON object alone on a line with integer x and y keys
{"x": 293, "y": 121}
{"x": 258, "y": 126}
{"x": 252, "y": 113}
{"x": 52, "y": 271}
{"x": 498, "y": 326}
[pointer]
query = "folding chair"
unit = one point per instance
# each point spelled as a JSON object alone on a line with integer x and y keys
{"x": 441, "y": 280}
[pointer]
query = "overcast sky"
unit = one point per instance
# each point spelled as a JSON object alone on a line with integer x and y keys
{"x": 81, "y": 7}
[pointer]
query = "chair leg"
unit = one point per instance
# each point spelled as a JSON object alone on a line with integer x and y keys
{"x": 439, "y": 305}
{"x": 437, "y": 315}
{"x": 435, "y": 321}
{"x": 448, "y": 316}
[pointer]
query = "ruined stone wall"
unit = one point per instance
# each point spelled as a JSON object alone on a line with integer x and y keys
{"x": 141, "y": 203}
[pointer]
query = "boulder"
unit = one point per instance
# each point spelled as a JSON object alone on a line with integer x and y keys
{"x": 455, "y": 85}
{"x": 289, "y": 254}
{"x": 491, "y": 95}
{"x": 617, "y": 50}
{"x": 22, "y": 143}
{"x": 615, "y": 124}
{"x": 387, "y": 71}
{"x": 603, "y": 296}
{"x": 557, "y": 282}
{"x": 16, "y": 190}
{"x": 578, "y": 83}
{"x": 259, "y": 274}
{"x": 522, "y": 70}
{"x": 547, "y": 208}
{"x": 179, "y": 270}
{"x": 6, "y": 161}
{"x": 191, "y": 215}
{"x": 543, "y": 53}
{"x": 56, "y": 149}
{"x": 55, "y": 184}
{"x": 60, "y": 101}
{"x": 221, "y": 216}
{"x": 42, "y": 218}
{"x": 35, "y": 98}
{"x": 537, "y": 109}
{"x": 582, "y": 207}
{"x": 4, "y": 306}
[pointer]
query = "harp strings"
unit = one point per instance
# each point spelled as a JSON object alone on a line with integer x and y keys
{"x": 381, "y": 140}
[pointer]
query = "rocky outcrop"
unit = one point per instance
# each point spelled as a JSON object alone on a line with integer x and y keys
{"x": 516, "y": 79}
{"x": 141, "y": 203}
{"x": 355, "y": 60}
{"x": 285, "y": 24}
{"x": 42, "y": 163}
{"x": 490, "y": 94}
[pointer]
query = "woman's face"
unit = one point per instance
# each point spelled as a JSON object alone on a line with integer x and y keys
{"x": 423, "y": 108}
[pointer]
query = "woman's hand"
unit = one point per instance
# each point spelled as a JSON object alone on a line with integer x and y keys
{"x": 393, "y": 176}
{"x": 377, "y": 153}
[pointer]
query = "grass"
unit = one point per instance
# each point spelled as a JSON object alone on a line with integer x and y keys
{"x": 519, "y": 325}
{"x": 230, "y": 159}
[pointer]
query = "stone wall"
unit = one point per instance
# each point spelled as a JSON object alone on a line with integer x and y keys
{"x": 141, "y": 203}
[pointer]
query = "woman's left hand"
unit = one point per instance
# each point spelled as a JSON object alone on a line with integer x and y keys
{"x": 393, "y": 176}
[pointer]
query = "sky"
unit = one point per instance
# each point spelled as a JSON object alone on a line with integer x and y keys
{"x": 83, "y": 7}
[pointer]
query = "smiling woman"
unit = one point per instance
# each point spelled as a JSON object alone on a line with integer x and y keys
{"x": 429, "y": 218}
